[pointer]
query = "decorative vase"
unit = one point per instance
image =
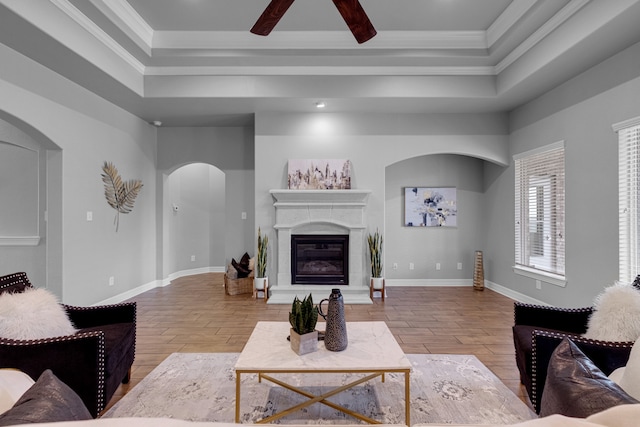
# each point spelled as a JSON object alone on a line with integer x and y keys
{"x": 335, "y": 336}
{"x": 305, "y": 343}
{"x": 478, "y": 272}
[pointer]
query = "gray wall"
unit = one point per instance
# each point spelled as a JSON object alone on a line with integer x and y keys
{"x": 591, "y": 180}
{"x": 373, "y": 142}
{"x": 87, "y": 130}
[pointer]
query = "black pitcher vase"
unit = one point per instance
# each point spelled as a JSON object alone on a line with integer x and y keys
{"x": 335, "y": 336}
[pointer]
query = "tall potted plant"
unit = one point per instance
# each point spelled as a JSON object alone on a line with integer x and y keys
{"x": 261, "y": 281}
{"x": 375, "y": 254}
{"x": 303, "y": 318}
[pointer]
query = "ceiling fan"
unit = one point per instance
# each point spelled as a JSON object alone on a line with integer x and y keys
{"x": 351, "y": 11}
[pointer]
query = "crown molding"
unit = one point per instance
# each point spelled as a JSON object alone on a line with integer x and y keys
{"x": 78, "y": 17}
{"x": 316, "y": 70}
{"x": 329, "y": 40}
{"x": 128, "y": 20}
{"x": 547, "y": 28}
{"x": 510, "y": 17}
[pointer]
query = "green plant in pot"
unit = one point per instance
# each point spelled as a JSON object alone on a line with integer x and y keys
{"x": 261, "y": 261}
{"x": 260, "y": 281}
{"x": 375, "y": 253}
{"x": 303, "y": 318}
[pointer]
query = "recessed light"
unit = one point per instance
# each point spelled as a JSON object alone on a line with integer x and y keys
{"x": 320, "y": 104}
{"x": 156, "y": 123}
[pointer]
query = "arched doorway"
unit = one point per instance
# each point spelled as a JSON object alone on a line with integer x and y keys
{"x": 33, "y": 229}
{"x": 194, "y": 220}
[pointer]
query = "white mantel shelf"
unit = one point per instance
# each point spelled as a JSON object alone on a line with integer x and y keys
{"x": 349, "y": 197}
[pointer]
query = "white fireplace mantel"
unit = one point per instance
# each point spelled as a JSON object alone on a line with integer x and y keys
{"x": 297, "y": 197}
{"x": 321, "y": 212}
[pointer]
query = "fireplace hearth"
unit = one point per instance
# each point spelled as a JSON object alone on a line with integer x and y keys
{"x": 320, "y": 259}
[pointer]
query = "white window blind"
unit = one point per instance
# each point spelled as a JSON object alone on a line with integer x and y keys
{"x": 539, "y": 209}
{"x": 628, "y": 176}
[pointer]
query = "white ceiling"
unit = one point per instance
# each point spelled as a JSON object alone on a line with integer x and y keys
{"x": 194, "y": 62}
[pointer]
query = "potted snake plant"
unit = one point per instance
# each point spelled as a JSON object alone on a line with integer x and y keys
{"x": 261, "y": 281}
{"x": 375, "y": 254}
{"x": 303, "y": 318}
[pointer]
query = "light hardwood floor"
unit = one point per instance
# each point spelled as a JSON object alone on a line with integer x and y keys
{"x": 193, "y": 314}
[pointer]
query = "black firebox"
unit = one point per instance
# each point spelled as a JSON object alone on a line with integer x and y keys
{"x": 320, "y": 259}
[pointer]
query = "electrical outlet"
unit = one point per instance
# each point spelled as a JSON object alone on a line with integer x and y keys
{"x": 243, "y": 215}
{"x": 459, "y": 266}
{"x": 411, "y": 266}
{"x": 193, "y": 258}
{"x": 112, "y": 280}
{"x": 538, "y": 284}
{"x": 437, "y": 266}
{"x": 395, "y": 265}
{"x": 89, "y": 216}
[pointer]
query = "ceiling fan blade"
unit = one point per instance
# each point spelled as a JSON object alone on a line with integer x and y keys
{"x": 270, "y": 17}
{"x": 356, "y": 18}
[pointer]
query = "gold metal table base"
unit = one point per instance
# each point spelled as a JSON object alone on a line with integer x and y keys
{"x": 322, "y": 398}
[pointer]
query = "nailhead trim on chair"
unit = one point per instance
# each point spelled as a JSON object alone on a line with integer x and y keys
{"x": 575, "y": 338}
{"x": 548, "y": 307}
{"x": 102, "y": 348}
{"x": 16, "y": 279}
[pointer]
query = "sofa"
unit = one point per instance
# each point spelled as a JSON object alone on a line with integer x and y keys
{"x": 620, "y": 416}
{"x": 51, "y": 403}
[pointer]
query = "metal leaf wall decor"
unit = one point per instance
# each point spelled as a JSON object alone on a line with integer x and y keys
{"x": 120, "y": 195}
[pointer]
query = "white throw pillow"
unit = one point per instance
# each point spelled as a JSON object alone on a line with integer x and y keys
{"x": 13, "y": 384}
{"x": 33, "y": 314}
{"x": 617, "y": 314}
{"x": 628, "y": 377}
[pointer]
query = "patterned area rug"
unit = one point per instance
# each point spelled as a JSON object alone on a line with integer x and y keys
{"x": 456, "y": 389}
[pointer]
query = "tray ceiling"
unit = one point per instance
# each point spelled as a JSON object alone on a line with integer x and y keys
{"x": 194, "y": 62}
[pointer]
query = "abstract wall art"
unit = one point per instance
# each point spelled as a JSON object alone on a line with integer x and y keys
{"x": 430, "y": 207}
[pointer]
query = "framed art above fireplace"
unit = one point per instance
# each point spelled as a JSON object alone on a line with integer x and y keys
{"x": 319, "y": 174}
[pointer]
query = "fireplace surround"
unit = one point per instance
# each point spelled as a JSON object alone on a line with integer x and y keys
{"x": 320, "y": 213}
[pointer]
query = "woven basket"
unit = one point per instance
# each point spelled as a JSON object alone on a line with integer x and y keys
{"x": 238, "y": 286}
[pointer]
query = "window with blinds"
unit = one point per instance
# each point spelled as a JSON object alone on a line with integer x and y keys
{"x": 628, "y": 176}
{"x": 539, "y": 210}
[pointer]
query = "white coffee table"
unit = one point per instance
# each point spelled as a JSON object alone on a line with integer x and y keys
{"x": 372, "y": 350}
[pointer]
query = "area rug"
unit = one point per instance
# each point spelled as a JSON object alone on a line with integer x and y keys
{"x": 446, "y": 389}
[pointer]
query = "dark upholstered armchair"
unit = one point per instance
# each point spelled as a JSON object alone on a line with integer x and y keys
{"x": 93, "y": 362}
{"x": 538, "y": 330}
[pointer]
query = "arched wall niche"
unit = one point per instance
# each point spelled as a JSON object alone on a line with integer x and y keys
{"x": 426, "y": 247}
{"x": 31, "y": 230}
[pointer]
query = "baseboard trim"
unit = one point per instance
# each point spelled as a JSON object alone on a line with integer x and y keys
{"x": 116, "y": 299}
{"x": 192, "y": 272}
{"x": 517, "y": 296}
{"x": 428, "y": 282}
